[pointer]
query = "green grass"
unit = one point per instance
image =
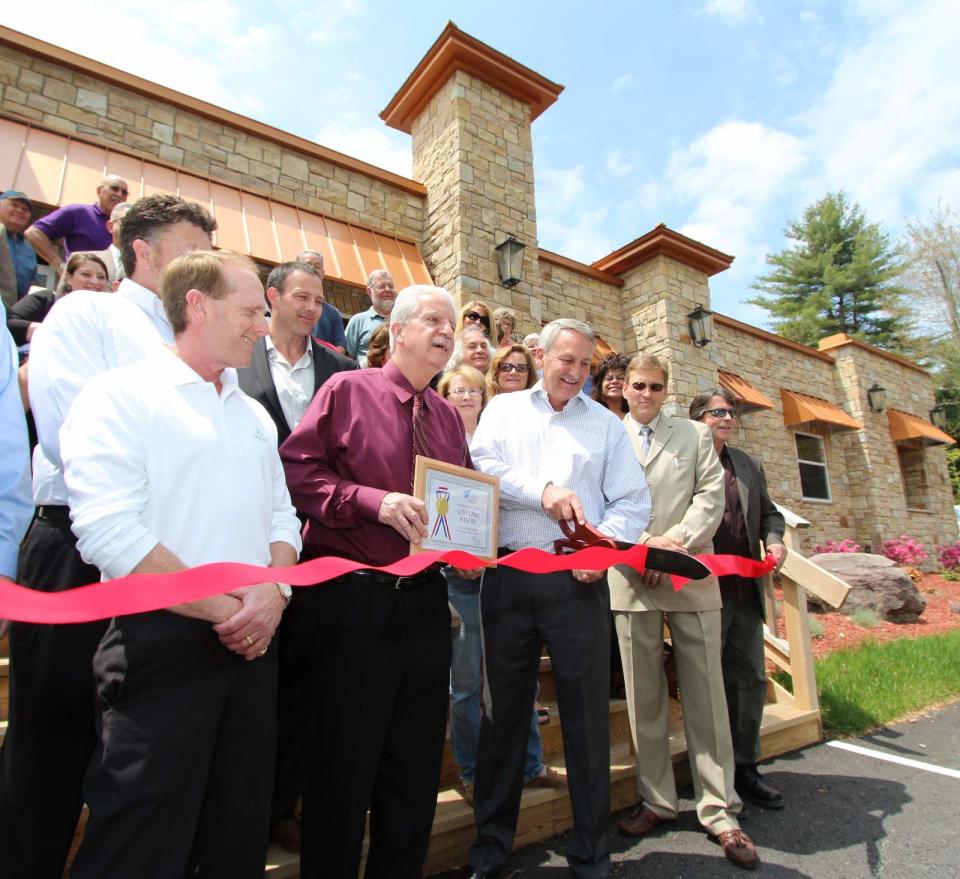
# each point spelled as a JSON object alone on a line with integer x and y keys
{"x": 865, "y": 617}
{"x": 875, "y": 684}
{"x": 816, "y": 628}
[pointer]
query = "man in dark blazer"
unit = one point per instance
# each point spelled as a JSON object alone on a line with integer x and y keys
{"x": 749, "y": 516}
{"x": 288, "y": 368}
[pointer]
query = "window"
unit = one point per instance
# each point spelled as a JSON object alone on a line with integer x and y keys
{"x": 812, "y": 460}
{"x": 913, "y": 472}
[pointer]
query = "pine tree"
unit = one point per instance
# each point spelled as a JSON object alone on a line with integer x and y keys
{"x": 839, "y": 277}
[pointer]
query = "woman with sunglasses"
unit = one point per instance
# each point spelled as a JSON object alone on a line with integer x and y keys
{"x": 512, "y": 369}
{"x": 608, "y": 383}
{"x": 748, "y": 516}
{"x": 475, "y": 313}
{"x": 464, "y": 387}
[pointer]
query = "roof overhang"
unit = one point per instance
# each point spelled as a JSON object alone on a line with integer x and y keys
{"x": 454, "y": 50}
{"x": 805, "y": 409}
{"x": 663, "y": 241}
{"x": 748, "y": 397}
{"x": 905, "y": 427}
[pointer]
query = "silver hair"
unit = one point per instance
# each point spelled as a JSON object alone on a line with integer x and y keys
{"x": 549, "y": 334}
{"x": 535, "y": 337}
{"x": 120, "y": 211}
{"x": 408, "y": 304}
{"x": 456, "y": 359}
{"x": 301, "y": 257}
{"x": 377, "y": 272}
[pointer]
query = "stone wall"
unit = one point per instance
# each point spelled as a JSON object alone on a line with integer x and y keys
{"x": 472, "y": 149}
{"x": 769, "y": 366}
{"x": 563, "y": 292}
{"x": 75, "y": 103}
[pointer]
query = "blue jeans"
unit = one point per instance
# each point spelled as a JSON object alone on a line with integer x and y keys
{"x": 466, "y": 680}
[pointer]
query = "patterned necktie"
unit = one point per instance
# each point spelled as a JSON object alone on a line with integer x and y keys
{"x": 420, "y": 444}
{"x": 646, "y": 438}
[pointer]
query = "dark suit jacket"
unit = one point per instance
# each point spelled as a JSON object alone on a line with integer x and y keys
{"x": 257, "y": 382}
{"x": 764, "y": 521}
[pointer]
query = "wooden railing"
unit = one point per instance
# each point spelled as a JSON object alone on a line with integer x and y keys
{"x": 794, "y": 655}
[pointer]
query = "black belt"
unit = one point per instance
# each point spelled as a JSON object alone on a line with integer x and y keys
{"x": 54, "y": 513}
{"x": 394, "y": 582}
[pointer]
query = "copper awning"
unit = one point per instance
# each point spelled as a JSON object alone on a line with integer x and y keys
{"x": 749, "y": 398}
{"x": 57, "y": 169}
{"x": 802, "y": 408}
{"x": 904, "y": 426}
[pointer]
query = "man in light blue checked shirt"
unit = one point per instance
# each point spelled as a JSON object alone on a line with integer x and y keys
{"x": 559, "y": 456}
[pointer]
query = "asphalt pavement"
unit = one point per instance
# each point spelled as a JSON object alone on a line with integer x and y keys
{"x": 848, "y": 815}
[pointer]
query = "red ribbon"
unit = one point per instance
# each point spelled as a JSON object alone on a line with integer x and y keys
{"x": 139, "y": 593}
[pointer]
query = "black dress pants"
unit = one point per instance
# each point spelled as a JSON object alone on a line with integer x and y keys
{"x": 51, "y": 732}
{"x": 182, "y": 775}
{"x": 378, "y": 725}
{"x": 295, "y": 635}
{"x": 520, "y": 614}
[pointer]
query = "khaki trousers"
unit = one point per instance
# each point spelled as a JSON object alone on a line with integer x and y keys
{"x": 696, "y": 649}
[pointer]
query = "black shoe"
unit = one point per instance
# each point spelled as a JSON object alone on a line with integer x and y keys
{"x": 749, "y": 783}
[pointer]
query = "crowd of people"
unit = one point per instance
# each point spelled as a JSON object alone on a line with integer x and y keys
{"x": 187, "y": 413}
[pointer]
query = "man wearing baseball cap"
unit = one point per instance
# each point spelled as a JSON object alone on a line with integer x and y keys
{"x": 18, "y": 261}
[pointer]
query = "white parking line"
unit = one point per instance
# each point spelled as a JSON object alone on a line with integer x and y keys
{"x": 894, "y": 758}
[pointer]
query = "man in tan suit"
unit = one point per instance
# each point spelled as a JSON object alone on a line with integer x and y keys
{"x": 686, "y": 486}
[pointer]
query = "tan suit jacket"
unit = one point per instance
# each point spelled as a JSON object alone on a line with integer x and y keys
{"x": 685, "y": 479}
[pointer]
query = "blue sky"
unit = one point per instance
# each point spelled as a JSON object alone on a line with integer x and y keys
{"x": 721, "y": 118}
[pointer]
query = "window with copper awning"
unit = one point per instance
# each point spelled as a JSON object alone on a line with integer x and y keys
{"x": 57, "y": 169}
{"x": 806, "y": 409}
{"x": 749, "y": 398}
{"x": 908, "y": 428}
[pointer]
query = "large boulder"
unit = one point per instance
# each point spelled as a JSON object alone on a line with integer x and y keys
{"x": 876, "y": 582}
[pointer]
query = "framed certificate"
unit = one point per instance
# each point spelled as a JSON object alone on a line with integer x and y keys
{"x": 462, "y": 508}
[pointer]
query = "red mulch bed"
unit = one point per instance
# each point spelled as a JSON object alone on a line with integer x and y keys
{"x": 841, "y": 633}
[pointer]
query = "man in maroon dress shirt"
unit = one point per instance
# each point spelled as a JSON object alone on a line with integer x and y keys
{"x": 381, "y": 676}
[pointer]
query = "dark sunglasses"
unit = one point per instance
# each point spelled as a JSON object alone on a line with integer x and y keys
{"x": 477, "y": 317}
{"x": 113, "y": 187}
{"x": 721, "y": 413}
{"x": 514, "y": 367}
{"x": 655, "y": 387}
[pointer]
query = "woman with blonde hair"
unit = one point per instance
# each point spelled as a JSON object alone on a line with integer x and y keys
{"x": 475, "y": 313}
{"x": 464, "y": 388}
{"x": 504, "y": 323}
{"x": 512, "y": 369}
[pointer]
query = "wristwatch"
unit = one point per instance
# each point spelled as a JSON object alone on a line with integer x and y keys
{"x": 286, "y": 592}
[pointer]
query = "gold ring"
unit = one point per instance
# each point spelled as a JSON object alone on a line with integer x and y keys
{"x": 262, "y": 652}
{"x": 249, "y": 641}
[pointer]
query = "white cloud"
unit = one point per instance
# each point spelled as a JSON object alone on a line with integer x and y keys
{"x": 731, "y": 11}
{"x": 621, "y": 162}
{"x": 622, "y": 83}
{"x": 570, "y": 221}
{"x": 376, "y": 144}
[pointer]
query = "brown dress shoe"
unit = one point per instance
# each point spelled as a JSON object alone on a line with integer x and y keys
{"x": 286, "y": 834}
{"x": 550, "y": 778}
{"x": 739, "y": 848}
{"x": 641, "y": 820}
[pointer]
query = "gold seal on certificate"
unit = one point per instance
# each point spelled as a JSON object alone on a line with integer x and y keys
{"x": 462, "y": 508}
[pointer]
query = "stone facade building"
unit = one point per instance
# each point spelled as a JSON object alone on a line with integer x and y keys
{"x": 65, "y": 120}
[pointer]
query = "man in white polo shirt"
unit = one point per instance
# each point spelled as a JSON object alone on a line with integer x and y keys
{"x": 170, "y": 465}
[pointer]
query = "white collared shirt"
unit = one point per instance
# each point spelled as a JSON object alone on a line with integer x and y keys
{"x": 294, "y": 384}
{"x": 527, "y": 444}
{"x": 153, "y": 454}
{"x": 84, "y": 334}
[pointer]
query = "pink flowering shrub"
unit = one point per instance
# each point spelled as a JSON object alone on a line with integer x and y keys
{"x": 904, "y": 550}
{"x": 846, "y": 545}
{"x": 949, "y": 556}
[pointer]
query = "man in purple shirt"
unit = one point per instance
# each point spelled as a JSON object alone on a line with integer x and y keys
{"x": 81, "y": 226}
{"x": 381, "y": 675}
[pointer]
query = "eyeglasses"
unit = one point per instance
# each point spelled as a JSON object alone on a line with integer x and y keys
{"x": 115, "y": 187}
{"x": 476, "y": 317}
{"x": 514, "y": 367}
{"x": 465, "y": 392}
{"x": 721, "y": 413}
{"x": 655, "y": 387}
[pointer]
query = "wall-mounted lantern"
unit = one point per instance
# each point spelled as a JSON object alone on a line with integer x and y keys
{"x": 510, "y": 261}
{"x": 938, "y": 416}
{"x": 700, "y": 321}
{"x": 877, "y": 398}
